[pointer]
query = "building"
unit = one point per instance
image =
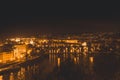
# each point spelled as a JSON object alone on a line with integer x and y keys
{"x": 20, "y": 51}
{"x": 6, "y": 56}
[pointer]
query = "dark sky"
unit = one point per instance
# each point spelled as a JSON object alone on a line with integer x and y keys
{"x": 59, "y": 17}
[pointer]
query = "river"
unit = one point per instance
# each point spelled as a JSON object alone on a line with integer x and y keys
{"x": 68, "y": 67}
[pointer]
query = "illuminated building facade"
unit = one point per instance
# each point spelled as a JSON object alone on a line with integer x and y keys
{"x": 19, "y": 51}
{"x": 6, "y": 57}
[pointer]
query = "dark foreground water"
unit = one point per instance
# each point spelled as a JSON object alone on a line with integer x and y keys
{"x": 68, "y": 67}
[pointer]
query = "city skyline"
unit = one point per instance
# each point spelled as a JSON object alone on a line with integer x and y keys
{"x": 55, "y": 40}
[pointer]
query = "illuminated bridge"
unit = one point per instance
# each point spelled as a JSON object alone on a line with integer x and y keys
{"x": 67, "y": 46}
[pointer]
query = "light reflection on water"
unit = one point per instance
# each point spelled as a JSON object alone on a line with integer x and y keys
{"x": 58, "y": 62}
{"x": 91, "y": 59}
{"x": 1, "y": 77}
{"x": 62, "y": 66}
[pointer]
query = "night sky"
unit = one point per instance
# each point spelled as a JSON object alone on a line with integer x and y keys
{"x": 58, "y": 17}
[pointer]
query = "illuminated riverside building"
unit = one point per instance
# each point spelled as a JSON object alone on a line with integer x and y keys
{"x": 20, "y": 51}
{"x": 6, "y": 57}
{"x": 17, "y": 54}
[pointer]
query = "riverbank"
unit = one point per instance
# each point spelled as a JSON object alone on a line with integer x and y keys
{"x": 16, "y": 64}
